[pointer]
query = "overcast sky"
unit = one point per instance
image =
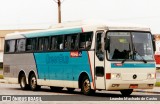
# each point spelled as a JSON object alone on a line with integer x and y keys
{"x": 17, "y": 14}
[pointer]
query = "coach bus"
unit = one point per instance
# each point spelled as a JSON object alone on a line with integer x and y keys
{"x": 83, "y": 56}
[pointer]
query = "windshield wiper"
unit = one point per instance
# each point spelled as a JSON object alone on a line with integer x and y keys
{"x": 140, "y": 56}
{"x": 126, "y": 57}
{"x": 124, "y": 60}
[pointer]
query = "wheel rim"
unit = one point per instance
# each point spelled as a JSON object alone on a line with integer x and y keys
{"x": 23, "y": 83}
{"x": 33, "y": 82}
{"x": 86, "y": 85}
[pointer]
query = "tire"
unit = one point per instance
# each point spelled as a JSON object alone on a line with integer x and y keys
{"x": 33, "y": 83}
{"x": 23, "y": 82}
{"x": 86, "y": 87}
{"x": 70, "y": 89}
{"x": 126, "y": 92}
{"x": 56, "y": 89}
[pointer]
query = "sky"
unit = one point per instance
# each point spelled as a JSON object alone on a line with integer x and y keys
{"x": 19, "y": 14}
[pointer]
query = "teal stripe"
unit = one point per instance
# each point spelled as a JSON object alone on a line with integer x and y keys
{"x": 61, "y": 66}
{"x": 52, "y": 33}
{"x": 133, "y": 65}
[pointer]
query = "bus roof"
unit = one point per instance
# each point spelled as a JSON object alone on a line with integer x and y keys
{"x": 76, "y": 27}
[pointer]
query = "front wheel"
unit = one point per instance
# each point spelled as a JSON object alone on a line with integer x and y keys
{"x": 126, "y": 92}
{"x": 86, "y": 86}
{"x": 33, "y": 83}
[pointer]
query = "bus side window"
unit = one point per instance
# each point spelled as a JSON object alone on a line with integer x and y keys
{"x": 21, "y": 45}
{"x": 46, "y": 43}
{"x": 88, "y": 40}
{"x": 40, "y": 44}
{"x": 60, "y": 42}
{"x": 10, "y": 45}
{"x": 99, "y": 47}
{"x": 43, "y": 44}
{"x": 85, "y": 40}
{"x": 74, "y": 42}
{"x": 70, "y": 41}
{"x": 82, "y": 41}
{"x": 67, "y": 42}
{"x": 53, "y": 43}
{"x": 31, "y": 44}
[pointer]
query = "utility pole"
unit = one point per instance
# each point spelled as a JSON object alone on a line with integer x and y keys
{"x": 59, "y": 10}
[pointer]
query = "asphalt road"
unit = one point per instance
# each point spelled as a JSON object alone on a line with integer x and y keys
{"x": 63, "y": 97}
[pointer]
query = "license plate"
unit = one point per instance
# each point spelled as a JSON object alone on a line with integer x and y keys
{"x": 133, "y": 86}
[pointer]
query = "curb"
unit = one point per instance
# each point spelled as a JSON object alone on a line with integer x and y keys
{"x": 147, "y": 91}
{"x": 3, "y": 81}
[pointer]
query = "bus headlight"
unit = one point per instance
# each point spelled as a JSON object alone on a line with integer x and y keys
{"x": 115, "y": 76}
{"x": 151, "y": 76}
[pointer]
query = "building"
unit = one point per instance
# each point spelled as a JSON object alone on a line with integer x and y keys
{"x": 2, "y": 36}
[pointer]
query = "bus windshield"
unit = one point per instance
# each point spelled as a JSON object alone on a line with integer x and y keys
{"x": 130, "y": 46}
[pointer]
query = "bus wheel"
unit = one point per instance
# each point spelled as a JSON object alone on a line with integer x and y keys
{"x": 33, "y": 83}
{"x": 23, "y": 83}
{"x": 56, "y": 89}
{"x": 70, "y": 89}
{"x": 86, "y": 86}
{"x": 126, "y": 92}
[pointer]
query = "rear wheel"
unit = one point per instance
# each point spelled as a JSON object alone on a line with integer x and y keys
{"x": 23, "y": 82}
{"x": 86, "y": 86}
{"x": 33, "y": 83}
{"x": 126, "y": 92}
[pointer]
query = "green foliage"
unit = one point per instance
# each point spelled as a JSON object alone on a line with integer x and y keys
{"x": 1, "y": 76}
{"x": 157, "y": 84}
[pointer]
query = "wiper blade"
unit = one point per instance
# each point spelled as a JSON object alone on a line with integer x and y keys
{"x": 141, "y": 57}
{"x": 124, "y": 60}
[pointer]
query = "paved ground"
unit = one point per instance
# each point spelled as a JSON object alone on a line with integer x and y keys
{"x": 156, "y": 90}
{"x": 75, "y": 97}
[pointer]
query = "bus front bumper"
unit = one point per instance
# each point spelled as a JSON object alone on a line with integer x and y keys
{"x": 121, "y": 84}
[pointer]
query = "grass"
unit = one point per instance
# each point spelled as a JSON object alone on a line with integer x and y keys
{"x": 157, "y": 84}
{"x": 158, "y": 71}
{"x": 1, "y": 76}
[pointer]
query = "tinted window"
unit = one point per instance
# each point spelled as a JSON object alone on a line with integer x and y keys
{"x": 21, "y": 45}
{"x": 71, "y": 42}
{"x": 31, "y": 44}
{"x": 53, "y": 43}
{"x": 43, "y": 44}
{"x": 60, "y": 42}
{"x": 85, "y": 40}
{"x": 10, "y": 46}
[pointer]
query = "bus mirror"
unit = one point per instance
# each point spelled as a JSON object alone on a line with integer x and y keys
{"x": 107, "y": 44}
{"x": 153, "y": 42}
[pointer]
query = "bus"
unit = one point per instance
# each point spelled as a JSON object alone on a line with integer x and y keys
{"x": 82, "y": 55}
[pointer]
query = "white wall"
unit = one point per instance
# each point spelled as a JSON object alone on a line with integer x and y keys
{"x": 1, "y": 57}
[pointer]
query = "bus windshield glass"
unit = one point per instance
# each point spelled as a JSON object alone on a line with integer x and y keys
{"x": 130, "y": 46}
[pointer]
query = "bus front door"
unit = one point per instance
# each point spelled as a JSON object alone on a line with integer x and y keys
{"x": 99, "y": 61}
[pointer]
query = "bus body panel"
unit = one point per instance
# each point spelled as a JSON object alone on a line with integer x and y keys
{"x": 18, "y": 63}
{"x": 62, "y": 66}
{"x": 51, "y": 69}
